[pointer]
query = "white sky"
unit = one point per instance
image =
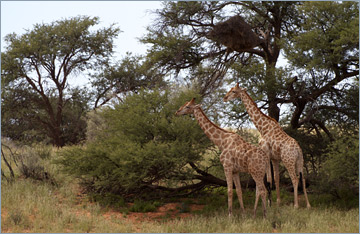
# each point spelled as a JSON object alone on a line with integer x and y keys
{"x": 131, "y": 16}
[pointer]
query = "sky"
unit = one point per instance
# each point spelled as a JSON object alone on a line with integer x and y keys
{"x": 131, "y": 17}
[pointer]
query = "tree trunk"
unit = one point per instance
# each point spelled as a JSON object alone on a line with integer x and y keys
{"x": 273, "y": 110}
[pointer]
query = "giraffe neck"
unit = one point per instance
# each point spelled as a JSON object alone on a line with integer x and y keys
{"x": 261, "y": 121}
{"x": 212, "y": 131}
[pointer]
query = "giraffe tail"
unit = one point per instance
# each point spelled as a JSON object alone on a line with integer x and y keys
{"x": 269, "y": 181}
{"x": 268, "y": 174}
{"x": 300, "y": 181}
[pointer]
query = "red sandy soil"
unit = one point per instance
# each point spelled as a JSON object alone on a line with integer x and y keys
{"x": 167, "y": 212}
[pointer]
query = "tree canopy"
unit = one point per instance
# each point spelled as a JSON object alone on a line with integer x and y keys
{"x": 37, "y": 66}
{"x": 182, "y": 39}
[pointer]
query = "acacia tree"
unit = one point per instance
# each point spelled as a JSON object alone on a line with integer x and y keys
{"x": 204, "y": 38}
{"x": 324, "y": 52}
{"x": 128, "y": 75}
{"x": 208, "y": 40}
{"x": 39, "y": 64}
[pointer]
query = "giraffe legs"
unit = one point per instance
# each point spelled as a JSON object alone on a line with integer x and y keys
{"x": 236, "y": 178}
{"x": 292, "y": 173}
{"x": 230, "y": 177}
{"x": 305, "y": 193}
{"x": 277, "y": 180}
{"x": 295, "y": 183}
{"x": 229, "y": 181}
{"x": 260, "y": 191}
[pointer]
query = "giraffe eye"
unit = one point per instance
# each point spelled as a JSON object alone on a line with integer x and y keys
{"x": 233, "y": 91}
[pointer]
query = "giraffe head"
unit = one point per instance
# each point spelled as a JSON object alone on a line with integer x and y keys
{"x": 234, "y": 93}
{"x": 187, "y": 108}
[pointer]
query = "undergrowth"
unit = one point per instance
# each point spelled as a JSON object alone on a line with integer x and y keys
{"x": 30, "y": 206}
{"x": 33, "y": 205}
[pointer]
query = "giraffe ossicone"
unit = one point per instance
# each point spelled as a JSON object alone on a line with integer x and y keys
{"x": 236, "y": 156}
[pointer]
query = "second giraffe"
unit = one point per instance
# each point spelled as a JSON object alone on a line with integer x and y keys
{"x": 236, "y": 156}
{"x": 275, "y": 142}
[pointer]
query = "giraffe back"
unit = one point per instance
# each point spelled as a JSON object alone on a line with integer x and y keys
{"x": 243, "y": 156}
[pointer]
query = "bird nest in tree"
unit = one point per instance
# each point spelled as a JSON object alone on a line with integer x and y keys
{"x": 235, "y": 34}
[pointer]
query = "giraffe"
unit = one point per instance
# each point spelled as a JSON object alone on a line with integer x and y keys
{"x": 237, "y": 156}
{"x": 274, "y": 141}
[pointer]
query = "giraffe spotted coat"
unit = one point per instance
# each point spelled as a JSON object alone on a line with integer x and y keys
{"x": 237, "y": 156}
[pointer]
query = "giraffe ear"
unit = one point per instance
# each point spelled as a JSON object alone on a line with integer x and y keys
{"x": 192, "y": 101}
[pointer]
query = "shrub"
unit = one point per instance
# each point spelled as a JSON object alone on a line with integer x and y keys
{"x": 108, "y": 199}
{"x": 16, "y": 216}
{"x": 143, "y": 206}
{"x": 143, "y": 150}
{"x": 32, "y": 163}
{"x": 339, "y": 175}
{"x": 184, "y": 207}
{"x": 342, "y": 164}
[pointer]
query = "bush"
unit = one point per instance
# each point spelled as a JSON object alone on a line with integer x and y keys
{"x": 339, "y": 174}
{"x": 143, "y": 150}
{"x": 144, "y": 206}
{"x": 16, "y": 216}
{"x": 32, "y": 163}
{"x": 342, "y": 164}
{"x": 109, "y": 199}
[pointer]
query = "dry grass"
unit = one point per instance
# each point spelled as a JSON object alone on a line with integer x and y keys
{"x": 29, "y": 206}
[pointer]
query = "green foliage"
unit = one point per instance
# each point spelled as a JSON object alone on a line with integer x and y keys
{"x": 341, "y": 168}
{"x": 108, "y": 199}
{"x": 21, "y": 113}
{"x": 37, "y": 101}
{"x": 320, "y": 41}
{"x": 343, "y": 161}
{"x": 128, "y": 75}
{"x": 330, "y": 36}
{"x": 324, "y": 50}
{"x": 144, "y": 145}
{"x": 144, "y": 206}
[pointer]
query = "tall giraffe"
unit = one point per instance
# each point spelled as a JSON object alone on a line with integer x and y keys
{"x": 276, "y": 142}
{"x": 237, "y": 156}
